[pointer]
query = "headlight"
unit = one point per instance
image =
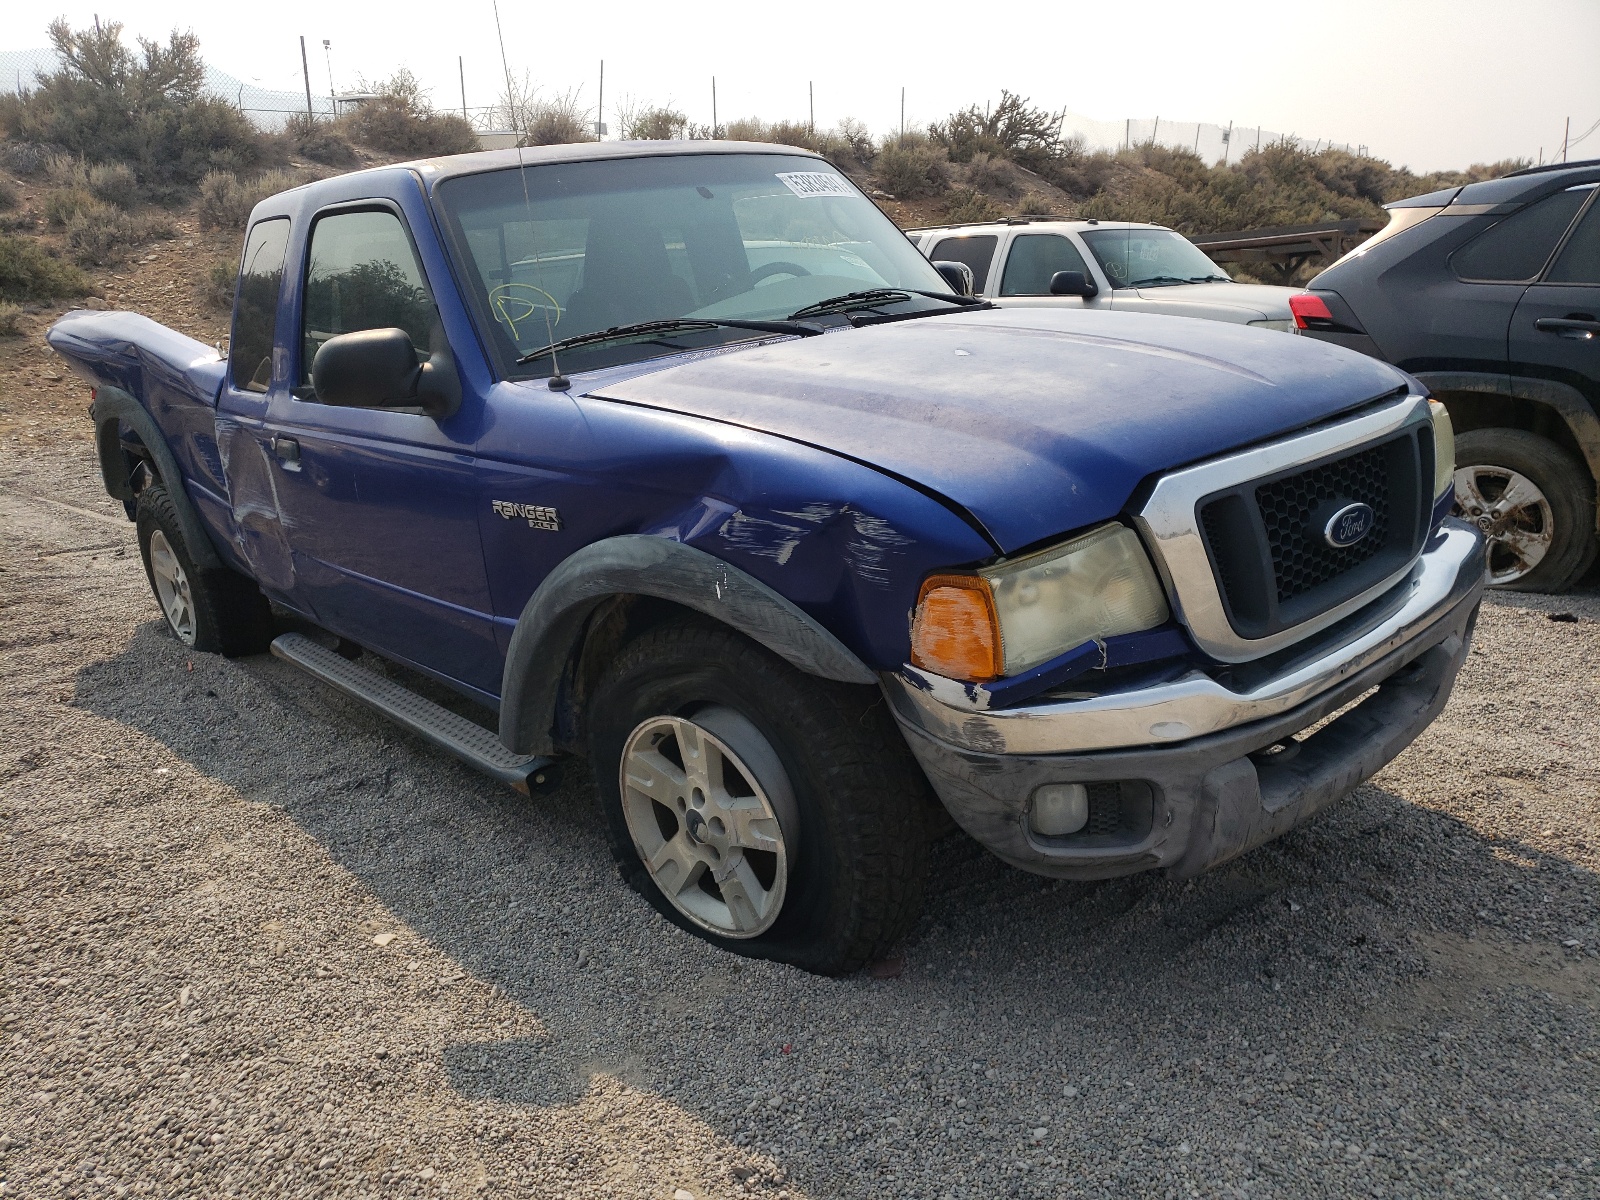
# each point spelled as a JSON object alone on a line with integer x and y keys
{"x": 1014, "y": 616}
{"x": 1444, "y": 449}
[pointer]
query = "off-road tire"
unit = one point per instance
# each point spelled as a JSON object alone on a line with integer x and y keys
{"x": 231, "y": 616}
{"x": 1566, "y": 485}
{"x": 855, "y": 888}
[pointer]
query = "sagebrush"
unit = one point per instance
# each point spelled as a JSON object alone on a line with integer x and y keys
{"x": 106, "y": 103}
{"x": 29, "y": 272}
{"x": 226, "y": 200}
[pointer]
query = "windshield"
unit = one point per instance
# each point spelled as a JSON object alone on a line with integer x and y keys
{"x": 595, "y": 245}
{"x": 1150, "y": 258}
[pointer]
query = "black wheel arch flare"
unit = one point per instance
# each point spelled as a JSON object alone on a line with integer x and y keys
{"x": 551, "y": 630}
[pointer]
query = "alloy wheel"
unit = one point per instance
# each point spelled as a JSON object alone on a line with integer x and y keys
{"x": 1513, "y": 514}
{"x": 172, "y": 587}
{"x": 711, "y": 813}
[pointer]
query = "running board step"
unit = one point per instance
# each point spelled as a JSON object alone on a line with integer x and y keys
{"x": 468, "y": 741}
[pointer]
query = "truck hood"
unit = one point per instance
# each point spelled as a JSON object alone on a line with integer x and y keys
{"x": 1270, "y": 302}
{"x": 1035, "y": 421}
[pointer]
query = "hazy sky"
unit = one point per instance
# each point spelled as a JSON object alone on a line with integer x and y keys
{"x": 1425, "y": 83}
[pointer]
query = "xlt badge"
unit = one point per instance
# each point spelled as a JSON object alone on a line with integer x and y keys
{"x": 539, "y": 516}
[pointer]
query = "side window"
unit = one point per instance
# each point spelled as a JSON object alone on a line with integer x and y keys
{"x": 363, "y": 274}
{"x": 976, "y": 252}
{"x": 1034, "y": 258}
{"x": 255, "y": 311}
{"x": 1579, "y": 261}
{"x": 1515, "y": 250}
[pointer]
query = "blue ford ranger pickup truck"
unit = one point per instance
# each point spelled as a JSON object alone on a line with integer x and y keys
{"x": 681, "y": 457}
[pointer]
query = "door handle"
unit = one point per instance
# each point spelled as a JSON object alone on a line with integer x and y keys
{"x": 1581, "y": 326}
{"x": 288, "y": 452}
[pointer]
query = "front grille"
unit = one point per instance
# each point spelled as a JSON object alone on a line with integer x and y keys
{"x": 1301, "y": 558}
{"x": 1266, "y": 538}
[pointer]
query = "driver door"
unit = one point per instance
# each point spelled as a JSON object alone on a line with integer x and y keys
{"x": 378, "y": 505}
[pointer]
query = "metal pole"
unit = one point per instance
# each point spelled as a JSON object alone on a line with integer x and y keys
{"x": 1155, "y": 130}
{"x": 327, "y": 53}
{"x": 1227, "y": 144}
{"x": 461, "y": 68}
{"x": 713, "y": 107}
{"x": 1127, "y": 133}
{"x": 1567, "y": 133}
{"x": 902, "y": 114}
{"x": 600, "y": 106}
{"x": 1197, "y": 139}
{"x": 305, "y": 69}
{"x": 811, "y": 94}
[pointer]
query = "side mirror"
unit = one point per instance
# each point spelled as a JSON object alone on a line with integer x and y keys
{"x": 378, "y": 368}
{"x": 957, "y": 274}
{"x": 1072, "y": 283}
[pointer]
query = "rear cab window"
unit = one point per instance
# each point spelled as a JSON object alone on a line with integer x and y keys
{"x": 1034, "y": 258}
{"x": 255, "y": 309}
{"x": 976, "y": 250}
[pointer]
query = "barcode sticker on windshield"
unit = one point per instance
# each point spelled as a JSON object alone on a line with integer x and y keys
{"x": 815, "y": 183}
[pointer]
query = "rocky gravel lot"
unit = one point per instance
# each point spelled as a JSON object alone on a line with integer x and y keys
{"x": 254, "y": 941}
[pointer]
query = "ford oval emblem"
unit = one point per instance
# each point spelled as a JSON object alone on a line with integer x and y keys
{"x": 1349, "y": 525}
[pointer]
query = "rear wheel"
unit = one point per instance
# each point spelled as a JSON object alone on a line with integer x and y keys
{"x": 1534, "y": 503}
{"x": 775, "y": 814}
{"x": 218, "y": 611}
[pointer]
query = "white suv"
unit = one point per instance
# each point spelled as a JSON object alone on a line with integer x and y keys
{"x": 1029, "y": 262}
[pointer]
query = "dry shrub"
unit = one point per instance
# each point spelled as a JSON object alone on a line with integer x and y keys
{"x": 1039, "y": 204}
{"x": 10, "y": 314}
{"x": 8, "y": 195}
{"x": 226, "y": 200}
{"x": 387, "y": 125}
{"x": 64, "y": 204}
{"x": 27, "y": 159}
{"x": 145, "y": 107}
{"x": 552, "y": 126}
{"x": 320, "y": 141}
{"x": 656, "y": 124}
{"x": 965, "y": 204}
{"x": 987, "y": 173}
{"x": 108, "y": 237}
{"x": 29, "y": 272}
{"x": 912, "y": 168}
{"x": 113, "y": 183}
{"x": 400, "y": 120}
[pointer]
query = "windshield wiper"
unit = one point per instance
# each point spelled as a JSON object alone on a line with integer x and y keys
{"x": 1158, "y": 281}
{"x": 872, "y": 297}
{"x": 869, "y": 298}
{"x": 1209, "y": 279}
{"x": 670, "y": 325}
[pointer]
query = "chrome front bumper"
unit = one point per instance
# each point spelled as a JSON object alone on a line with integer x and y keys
{"x": 1188, "y": 744}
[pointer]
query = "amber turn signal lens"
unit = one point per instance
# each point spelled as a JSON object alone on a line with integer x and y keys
{"x": 955, "y": 632}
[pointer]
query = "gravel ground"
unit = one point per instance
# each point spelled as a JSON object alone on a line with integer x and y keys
{"x": 256, "y": 941}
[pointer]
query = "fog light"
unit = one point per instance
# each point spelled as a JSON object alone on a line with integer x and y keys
{"x": 1060, "y": 809}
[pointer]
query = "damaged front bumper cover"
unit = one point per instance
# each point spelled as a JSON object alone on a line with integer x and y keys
{"x": 1188, "y": 774}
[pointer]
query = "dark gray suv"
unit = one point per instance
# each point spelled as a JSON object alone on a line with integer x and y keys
{"x": 1490, "y": 294}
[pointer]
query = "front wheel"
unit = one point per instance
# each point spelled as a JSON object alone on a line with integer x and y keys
{"x": 774, "y": 814}
{"x": 1534, "y": 504}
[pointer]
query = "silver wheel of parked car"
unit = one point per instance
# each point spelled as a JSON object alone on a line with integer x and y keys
{"x": 172, "y": 588}
{"x": 1513, "y": 513}
{"x": 711, "y": 813}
